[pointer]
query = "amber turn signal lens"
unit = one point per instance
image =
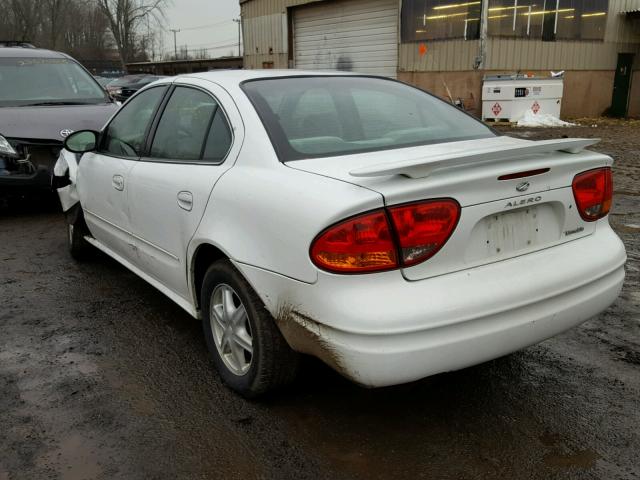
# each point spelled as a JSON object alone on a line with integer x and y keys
{"x": 358, "y": 245}
{"x": 369, "y": 243}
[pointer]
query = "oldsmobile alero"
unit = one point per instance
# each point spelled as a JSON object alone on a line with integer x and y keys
{"x": 353, "y": 218}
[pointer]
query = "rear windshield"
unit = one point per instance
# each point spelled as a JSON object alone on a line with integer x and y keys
{"x": 46, "y": 81}
{"x": 310, "y": 117}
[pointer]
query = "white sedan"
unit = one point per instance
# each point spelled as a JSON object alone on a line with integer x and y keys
{"x": 353, "y": 218}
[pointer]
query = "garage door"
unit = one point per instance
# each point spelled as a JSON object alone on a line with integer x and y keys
{"x": 353, "y": 35}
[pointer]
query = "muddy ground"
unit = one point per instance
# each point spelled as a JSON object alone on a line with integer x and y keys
{"x": 102, "y": 377}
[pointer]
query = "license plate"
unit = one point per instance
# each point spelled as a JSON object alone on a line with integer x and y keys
{"x": 512, "y": 231}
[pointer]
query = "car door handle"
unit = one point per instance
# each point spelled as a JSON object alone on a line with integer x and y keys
{"x": 118, "y": 182}
{"x": 185, "y": 201}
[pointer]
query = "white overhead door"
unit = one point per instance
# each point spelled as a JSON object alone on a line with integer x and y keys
{"x": 354, "y": 35}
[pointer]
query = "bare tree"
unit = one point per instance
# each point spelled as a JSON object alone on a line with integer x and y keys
{"x": 96, "y": 32}
{"x": 55, "y": 13}
{"x": 125, "y": 17}
{"x": 22, "y": 19}
{"x": 87, "y": 36}
{"x": 201, "y": 54}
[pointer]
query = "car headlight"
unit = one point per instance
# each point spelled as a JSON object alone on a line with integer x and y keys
{"x": 6, "y": 148}
{"x": 118, "y": 92}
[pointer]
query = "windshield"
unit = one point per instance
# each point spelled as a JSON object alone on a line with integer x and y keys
{"x": 309, "y": 117}
{"x": 46, "y": 81}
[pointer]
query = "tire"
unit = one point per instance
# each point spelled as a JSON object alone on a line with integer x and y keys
{"x": 79, "y": 248}
{"x": 269, "y": 363}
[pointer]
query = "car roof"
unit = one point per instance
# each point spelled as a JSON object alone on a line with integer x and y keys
{"x": 22, "y": 52}
{"x": 235, "y": 77}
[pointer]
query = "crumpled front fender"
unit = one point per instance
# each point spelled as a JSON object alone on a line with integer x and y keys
{"x": 64, "y": 178}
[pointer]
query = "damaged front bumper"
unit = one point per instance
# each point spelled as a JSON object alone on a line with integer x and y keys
{"x": 29, "y": 169}
{"x": 14, "y": 182}
{"x": 64, "y": 179}
{"x": 380, "y": 330}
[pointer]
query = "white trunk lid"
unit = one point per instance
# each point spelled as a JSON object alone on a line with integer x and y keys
{"x": 497, "y": 221}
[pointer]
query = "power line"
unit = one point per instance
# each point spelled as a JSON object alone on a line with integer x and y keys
{"x": 209, "y": 48}
{"x": 200, "y": 27}
{"x": 206, "y": 46}
{"x": 211, "y": 44}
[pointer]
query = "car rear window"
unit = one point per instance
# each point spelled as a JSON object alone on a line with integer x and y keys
{"x": 310, "y": 117}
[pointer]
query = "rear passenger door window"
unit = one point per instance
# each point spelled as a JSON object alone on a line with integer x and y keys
{"x": 218, "y": 140}
{"x": 193, "y": 128}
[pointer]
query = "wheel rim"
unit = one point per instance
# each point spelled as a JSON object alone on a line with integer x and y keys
{"x": 231, "y": 330}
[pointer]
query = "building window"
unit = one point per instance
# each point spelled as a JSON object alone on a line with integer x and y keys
{"x": 582, "y": 19}
{"x": 440, "y": 19}
{"x": 548, "y": 19}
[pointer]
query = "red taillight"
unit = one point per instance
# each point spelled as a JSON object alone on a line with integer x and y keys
{"x": 423, "y": 228}
{"x": 366, "y": 243}
{"x": 593, "y": 191}
{"x": 360, "y": 244}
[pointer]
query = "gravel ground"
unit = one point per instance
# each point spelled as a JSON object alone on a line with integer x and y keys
{"x": 102, "y": 377}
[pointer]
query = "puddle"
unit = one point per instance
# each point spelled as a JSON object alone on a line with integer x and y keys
{"x": 75, "y": 459}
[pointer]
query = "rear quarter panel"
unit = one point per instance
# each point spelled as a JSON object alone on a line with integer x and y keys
{"x": 268, "y": 216}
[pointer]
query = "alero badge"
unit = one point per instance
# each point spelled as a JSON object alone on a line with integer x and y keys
{"x": 523, "y": 187}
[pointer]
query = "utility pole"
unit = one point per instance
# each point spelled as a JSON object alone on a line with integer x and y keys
{"x": 481, "y": 59}
{"x": 175, "y": 42}
{"x": 239, "y": 22}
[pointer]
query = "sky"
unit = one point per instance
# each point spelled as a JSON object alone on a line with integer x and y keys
{"x": 203, "y": 24}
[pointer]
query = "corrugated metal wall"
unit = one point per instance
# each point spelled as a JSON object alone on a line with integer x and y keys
{"x": 265, "y": 40}
{"x": 444, "y": 56}
{"x": 629, "y": 5}
{"x": 262, "y": 25}
{"x": 358, "y": 35}
{"x": 456, "y": 55}
{"x": 257, "y": 8}
{"x": 512, "y": 54}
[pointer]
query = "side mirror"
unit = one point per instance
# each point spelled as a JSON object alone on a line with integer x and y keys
{"x": 82, "y": 141}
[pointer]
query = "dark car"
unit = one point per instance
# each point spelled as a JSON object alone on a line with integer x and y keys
{"x": 103, "y": 81}
{"x": 44, "y": 96}
{"x": 124, "y": 87}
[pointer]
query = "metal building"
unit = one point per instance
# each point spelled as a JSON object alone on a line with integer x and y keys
{"x": 447, "y": 46}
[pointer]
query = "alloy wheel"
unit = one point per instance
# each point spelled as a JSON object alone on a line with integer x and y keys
{"x": 231, "y": 329}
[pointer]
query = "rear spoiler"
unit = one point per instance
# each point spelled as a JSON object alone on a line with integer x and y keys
{"x": 424, "y": 166}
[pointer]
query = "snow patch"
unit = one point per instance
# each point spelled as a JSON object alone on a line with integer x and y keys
{"x": 531, "y": 119}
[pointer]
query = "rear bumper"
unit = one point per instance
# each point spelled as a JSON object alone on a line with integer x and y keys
{"x": 382, "y": 330}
